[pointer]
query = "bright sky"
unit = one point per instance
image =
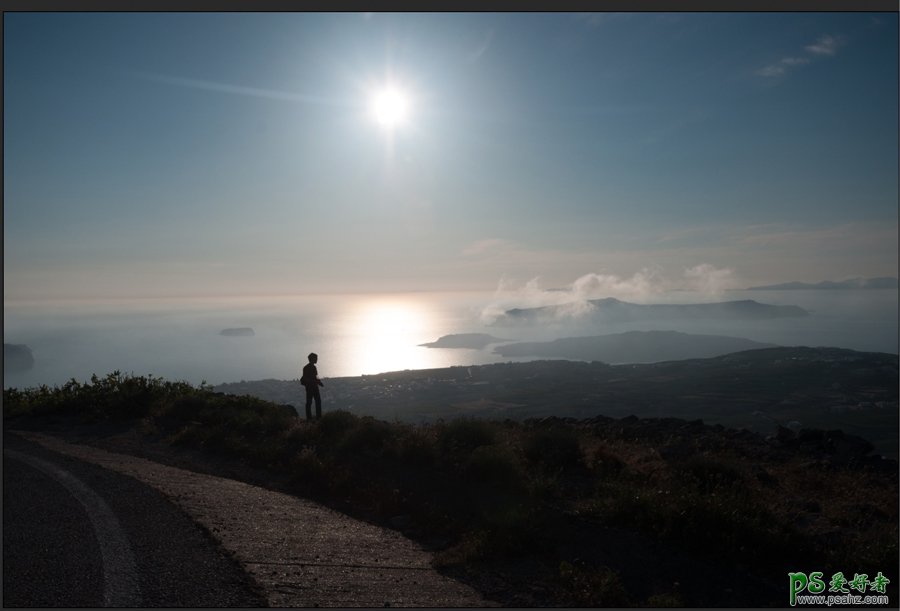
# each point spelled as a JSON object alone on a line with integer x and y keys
{"x": 156, "y": 154}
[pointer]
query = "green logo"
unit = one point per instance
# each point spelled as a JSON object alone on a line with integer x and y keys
{"x": 844, "y": 590}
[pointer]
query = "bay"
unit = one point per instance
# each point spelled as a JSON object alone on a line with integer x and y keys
{"x": 356, "y": 334}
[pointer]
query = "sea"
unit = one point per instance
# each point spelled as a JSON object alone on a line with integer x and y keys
{"x": 357, "y": 334}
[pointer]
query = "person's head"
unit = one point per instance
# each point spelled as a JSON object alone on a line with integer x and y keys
{"x": 313, "y": 357}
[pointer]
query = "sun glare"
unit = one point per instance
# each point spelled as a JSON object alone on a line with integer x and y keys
{"x": 390, "y": 107}
{"x": 387, "y": 333}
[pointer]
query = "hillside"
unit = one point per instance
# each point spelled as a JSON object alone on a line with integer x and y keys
{"x": 633, "y": 347}
{"x": 545, "y": 512}
{"x": 828, "y": 388}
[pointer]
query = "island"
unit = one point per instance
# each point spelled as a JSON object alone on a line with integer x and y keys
{"x": 854, "y": 283}
{"x": 17, "y": 358}
{"x": 613, "y": 310}
{"x": 471, "y": 341}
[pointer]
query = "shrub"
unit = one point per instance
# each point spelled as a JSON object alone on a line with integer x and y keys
{"x": 333, "y": 424}
{"x": 308, "y": 473}
{"x": 669, "y": 599}
{"x": 298, "y": 436}
{"x": 601, "y": 460}
{"x": 465, "y": 435}
{"x": 368, "y": 437}
{"x": 710, "y": 475}
{"x": 506, "y": 527}
{"x": 592, "y": 586}
{"x": 495, "y": 465}
{"x": 180, "y": 410}
{"x": 554, "y": 449}
{"x": 417, "y": 449}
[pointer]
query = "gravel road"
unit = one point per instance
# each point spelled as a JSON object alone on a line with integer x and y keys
{"x": 298, "y": 553}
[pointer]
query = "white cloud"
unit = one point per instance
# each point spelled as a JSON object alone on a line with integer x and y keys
{"x": 645, "y": 286}
{"x": 825, "y": 45}
{"x": 709, "y": 279}
{"x": 489, "y": 246}
{"x": 483, "y": 46}
{"x": 772, "y": 70}
{"x": 272, "y": 94}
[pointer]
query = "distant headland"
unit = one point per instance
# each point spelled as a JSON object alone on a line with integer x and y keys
{"x": 471, "y": 341}
{"x": 613, "y": 310}
{"x": 854, "y": 283}
{"x": 17, "y": 358}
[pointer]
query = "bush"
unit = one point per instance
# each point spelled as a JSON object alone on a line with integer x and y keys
{"x": 710, "y": 475}
{"x": 181, "y": 410}
{"x": 114, "y": 397}
{"x": 495, "y": 465}
{"x": 334, "y": 424}
{"x": 592, "y": 586}
{"x": 602, "y": 461}
{"x": 465, "y": 435}
{"x": 553, "y": 449}
{"x": 415, "y": 448}
{"x": 308, "y": 473}
{"x": 368, "y": 438}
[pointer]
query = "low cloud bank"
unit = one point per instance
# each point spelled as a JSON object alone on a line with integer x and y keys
{"x": 645, "y": 286}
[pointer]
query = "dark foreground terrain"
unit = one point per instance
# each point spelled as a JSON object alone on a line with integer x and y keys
{"x": 757, "y": 390}
{"x": 592, "y": 511}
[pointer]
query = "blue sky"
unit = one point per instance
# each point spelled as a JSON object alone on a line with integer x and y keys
{"x": 180, "y": 154}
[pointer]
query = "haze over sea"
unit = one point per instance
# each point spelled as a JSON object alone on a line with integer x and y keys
{"x": 355, "y": 334}
{"x": 378, "y": 165}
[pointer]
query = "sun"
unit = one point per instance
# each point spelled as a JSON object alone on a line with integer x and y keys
{"x": 390, "y": 107}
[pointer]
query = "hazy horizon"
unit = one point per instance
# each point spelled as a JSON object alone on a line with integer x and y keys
{"x": 180, "y": 339}
{"x": 155, "y": 155}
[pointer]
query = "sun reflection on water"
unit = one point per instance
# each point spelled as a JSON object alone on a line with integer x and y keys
{"x": 384, "y": 334}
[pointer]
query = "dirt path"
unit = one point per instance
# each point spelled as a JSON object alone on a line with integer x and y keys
{"x": 301, "y": 553}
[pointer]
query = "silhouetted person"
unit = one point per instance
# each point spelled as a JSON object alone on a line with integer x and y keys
{"x": 311, "y": 382}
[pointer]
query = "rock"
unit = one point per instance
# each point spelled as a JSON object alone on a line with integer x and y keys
{"x": 17, "y": 358}
{"x": 237, "y": 332}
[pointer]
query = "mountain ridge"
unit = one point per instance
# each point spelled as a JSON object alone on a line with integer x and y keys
{"x": 885, "y": 282}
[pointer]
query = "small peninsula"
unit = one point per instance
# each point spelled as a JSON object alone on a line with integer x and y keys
{"x": 469, "y": 341}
